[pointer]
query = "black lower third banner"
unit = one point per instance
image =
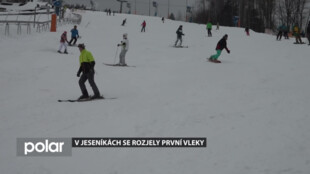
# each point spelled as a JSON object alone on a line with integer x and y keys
{"x": 140, "y": 142}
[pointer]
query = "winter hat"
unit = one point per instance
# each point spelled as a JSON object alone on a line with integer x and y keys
{"x": 81, "y": 46}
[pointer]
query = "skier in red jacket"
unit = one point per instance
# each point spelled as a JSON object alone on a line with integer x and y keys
{"x": 143, "y": 26}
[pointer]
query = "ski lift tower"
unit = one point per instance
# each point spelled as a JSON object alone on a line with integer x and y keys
{"x": 155, "y": 5}
{"x": 121, "y": 5}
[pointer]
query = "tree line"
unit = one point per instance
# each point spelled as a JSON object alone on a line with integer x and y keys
{"x": 258, "y": 15}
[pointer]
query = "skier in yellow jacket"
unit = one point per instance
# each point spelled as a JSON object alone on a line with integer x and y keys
{"x": 87, "y": 64}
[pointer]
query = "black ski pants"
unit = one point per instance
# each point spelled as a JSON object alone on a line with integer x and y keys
{"x": 143, "y": 29}
{"x": 74, "y": 40}
{"x": 279, "y": 36}
{"x": 90, "y": 77}
{"x": 209, "y": 32}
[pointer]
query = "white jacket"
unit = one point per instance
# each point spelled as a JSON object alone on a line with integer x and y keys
{"x": 125, "y": 44}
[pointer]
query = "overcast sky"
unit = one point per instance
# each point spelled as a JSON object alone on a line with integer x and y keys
{"x": 142, "y": 6}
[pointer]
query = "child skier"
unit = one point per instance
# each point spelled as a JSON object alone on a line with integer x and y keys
{"x": 74, "y": 35}
{"x": 63, "y": 40}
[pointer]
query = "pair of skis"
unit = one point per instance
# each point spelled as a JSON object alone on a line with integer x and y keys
{"x": 85, "y": 100}
{"x": 118, "y": 65}
{"x": 180, "y": 46}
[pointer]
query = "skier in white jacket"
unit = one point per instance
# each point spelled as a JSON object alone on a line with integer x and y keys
{"x": 125, "y": 46}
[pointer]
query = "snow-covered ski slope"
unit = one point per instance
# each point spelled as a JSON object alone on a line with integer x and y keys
{"x": 253, "y": 107}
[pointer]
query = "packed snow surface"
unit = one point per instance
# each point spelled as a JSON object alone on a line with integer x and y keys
{"x": 253, "y": 108}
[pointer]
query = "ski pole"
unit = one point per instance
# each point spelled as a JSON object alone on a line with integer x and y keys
{"x": 115, "y": 55}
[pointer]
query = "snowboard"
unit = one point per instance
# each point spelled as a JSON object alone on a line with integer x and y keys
{"x": 214, "y": 61}
{"x": 109, "y": 64}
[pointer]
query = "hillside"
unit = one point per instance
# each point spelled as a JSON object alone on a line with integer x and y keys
{"x": 253, "y": 107}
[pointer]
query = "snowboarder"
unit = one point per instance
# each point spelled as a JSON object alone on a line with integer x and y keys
{"x": 63, "y": 40}
{"x": 296, "y": 33}
{"x": 209, "y": 28}
{"x": 179, "y": 35}
{"x": 74, "y": 35}
{"x": 247, "y": 31}
{"x": 125, "y": 46}
{"x": 219, "y": 47}
{"x": 143, "y": 26}
{"x": 124, "y": 22}
{"x": 87, "y": 64}
{"x": 308, "y": 32}
{"x": 163, "y": 19}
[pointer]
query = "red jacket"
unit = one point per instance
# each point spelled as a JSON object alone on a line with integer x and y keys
{"x": 143, "y": 24}
{"x": 63, "y": 38}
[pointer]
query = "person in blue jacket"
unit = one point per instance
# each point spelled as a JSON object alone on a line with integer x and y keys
{"x": 74, "y": 35}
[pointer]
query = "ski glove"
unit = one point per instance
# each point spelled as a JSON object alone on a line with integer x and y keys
{"x": 228, "y": 51}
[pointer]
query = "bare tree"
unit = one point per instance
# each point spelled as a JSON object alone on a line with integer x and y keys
{"x": 267, "y": 12}
{"x": 292, "y": 11}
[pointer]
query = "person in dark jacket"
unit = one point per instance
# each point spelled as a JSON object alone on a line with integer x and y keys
{"x": 281, "y": 30}
{"x": 87, "y": 64}
{"x": 219, "y": 47}
{"x": 74, "y": 35}
{"x": 124, "y": 22}
{"x": 308, "y": 32}
{"x": 179, "y": 35}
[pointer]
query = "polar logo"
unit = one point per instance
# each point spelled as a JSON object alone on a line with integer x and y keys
{"x": 44, "y": 147}
{"x": 40, "y": 147}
